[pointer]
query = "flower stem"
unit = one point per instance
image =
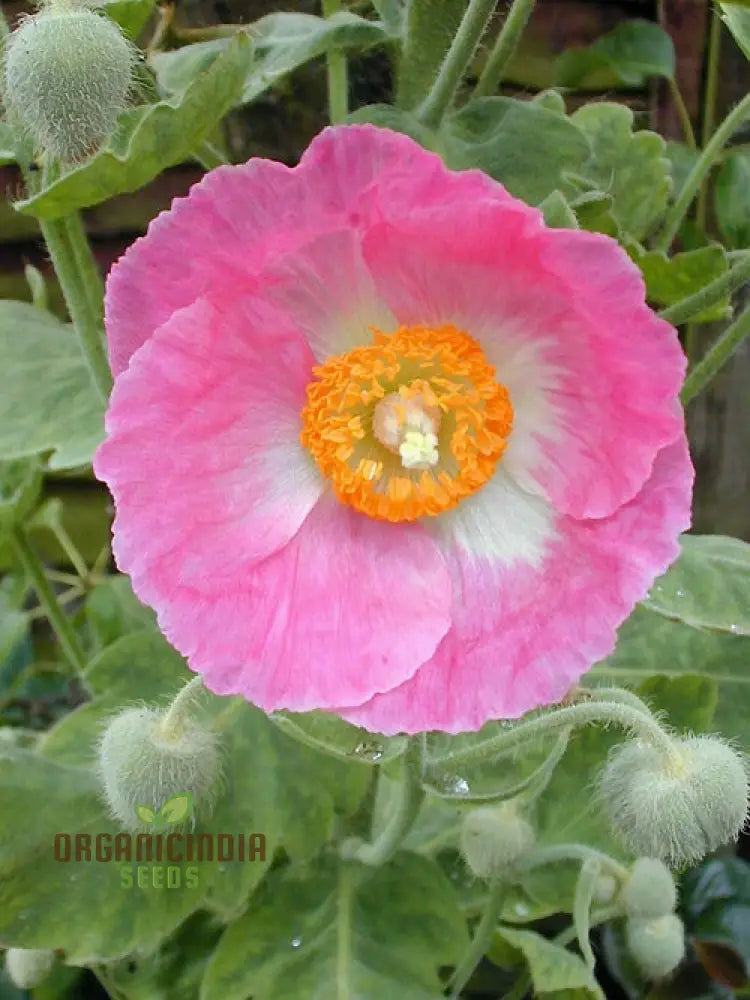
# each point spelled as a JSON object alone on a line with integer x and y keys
{"x": 88, "y": 271}
{"x": 621, "y": 714}
{"x": 716, "y": 357}
{"x": 709, "y": 104}
{"x": 575, "y": 852}
{"x": 505, "y": 47}
{"x": 457, "y": 59}
{"x": 700, "y": 171}
{"x": 412, "y": 795}
{"x": 481, "y": 940}
{"x": 178, "y": 712}
{"x": 338, "y": 74}
{"x": 57, "y": 618}
{"x": 682, "y": 112}
{"x": 65, "y": 251}
{"x": 709, "y": 295}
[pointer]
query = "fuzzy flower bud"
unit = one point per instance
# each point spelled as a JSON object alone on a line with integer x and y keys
{"x": 66, "y": 76}
{"x": 28, "y": 967}
{"x": 493, "y": 838}
{"x": 675, "y": 806}
{"x": 148, "y": 756}
{"x": 657, "y": 945}
{"x": 650, "y": 891}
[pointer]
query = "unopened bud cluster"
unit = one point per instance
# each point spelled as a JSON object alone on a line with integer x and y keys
{"x": 494, "y": 838}
{"x": 147, "y": 756}
{"x": 67, "y": 72}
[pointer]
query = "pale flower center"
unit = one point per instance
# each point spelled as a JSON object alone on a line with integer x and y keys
{"x": 408, "y": 427}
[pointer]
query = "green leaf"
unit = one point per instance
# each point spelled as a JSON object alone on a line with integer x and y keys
{"x": 331, "y": 735}
{"x": 716, "y": 902}
{"x": 683, "y": 159}
{"x": 281, "y": 42}
{"x": 732, "y": 200}
{"x": 634, "y": 52}
{"x": 500, "y": 775}
{"x": 177, "y": 809}
{"x": 131, "y": 15}
{"x": 145, "y": 814}
{"x": 736, "y": 16}
{"x": 557, "y": 212}
{"x": 47, "y": 400}
{"x": 650, "y": 645}
{"x": 20, "y": 487}
{"x": 554, "y": 970}
{"x": 524, "y": 145}
{"x": 45, "y": 903}
{"x": 671, "y": 279}
{"x": 386, "y": 116}
{"x": 112, "y": 610}
{"x": 708, "y": 586}
{"x": 148, "y": 139}
{"x": 344, "y": 930}
{"x": 630, "y": 167}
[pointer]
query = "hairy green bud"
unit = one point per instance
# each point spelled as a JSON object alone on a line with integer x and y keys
{"x": 675, "y": 806}
{"x": 148, "y": 756}
{"x": 650, "y": 891}
{"x": 657, "y": 945}
{"x": 66, "y": 77}
{"x": 28, "y": 967}
{"x": 494, "y": 838}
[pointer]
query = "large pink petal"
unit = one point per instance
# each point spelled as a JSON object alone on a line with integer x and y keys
{"x": 521, "y": 637}
{"x": 593, "y": 374}
{"x": 203, "y": 455}
{"x": 240, "y": 219}
{"x": 349, "y": 607}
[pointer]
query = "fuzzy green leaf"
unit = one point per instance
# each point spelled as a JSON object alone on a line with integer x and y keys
{"x": 736, "y": 16}
{"x": 633, "y": 52}
{"x": 524, "y": 145}
{"x": 344, "y": 930}
{"x": 554, "y": 970}
{"x": 47, "y": 400}
{"x": 630, "y": 167}
{"x": 671, "y": 279}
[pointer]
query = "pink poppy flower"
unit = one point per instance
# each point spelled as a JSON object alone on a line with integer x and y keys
{"x": 381, "y": 443}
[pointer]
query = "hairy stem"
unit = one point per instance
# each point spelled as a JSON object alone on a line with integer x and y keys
{"x": 32, "y": 566}
{"x": 505, "y": 47}
{"x": 61, "y": 244}
{"x": 709, "y": 104}
{"x": 716, "y": 358}
{"x": 481, "y": 940}
{"x": 178, "y": 712}
{"x": 642, "y": 723}
{"x": 406, "y": 812}
{"x": 441, "y": 96}
{"x": 338, "y": 74}
{"x": 710, "y": 294}
{"x": 677, "y": 212}
{"x": 682, "y": 113}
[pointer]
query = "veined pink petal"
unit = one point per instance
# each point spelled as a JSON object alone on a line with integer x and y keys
{"x": 521, "y": 637}
{"x": 238, "y": 220}
{"x": 203, "y": 454}
{"x": 593, "y": 374}
{"x": 350, "y": 606}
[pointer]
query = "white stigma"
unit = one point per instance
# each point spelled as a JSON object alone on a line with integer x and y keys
{"x": 418, "y": 450}
{"x": 408, "y": 427}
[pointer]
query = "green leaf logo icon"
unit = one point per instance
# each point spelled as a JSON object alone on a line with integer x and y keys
{"x": 145, "y": 814}
{"x": 177, "y": 809}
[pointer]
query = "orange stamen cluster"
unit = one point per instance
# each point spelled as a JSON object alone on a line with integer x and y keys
{"x": 442, "y": 372}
